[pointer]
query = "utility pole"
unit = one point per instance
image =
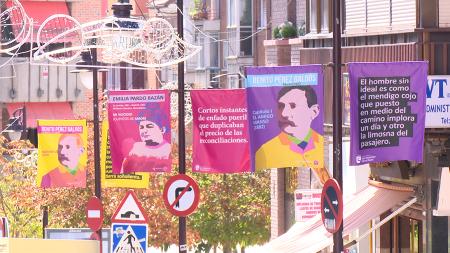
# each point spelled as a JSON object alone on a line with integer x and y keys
{"x": 181, "y": 128}
{"x": 338, "y": 246}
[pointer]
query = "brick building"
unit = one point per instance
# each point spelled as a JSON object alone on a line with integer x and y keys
{"x": 374, "y": 31}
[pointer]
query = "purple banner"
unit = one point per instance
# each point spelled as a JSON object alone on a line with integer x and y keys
{"x": 387, "y": 111}
{"x": 139, "y": 123}
{"x": 285, "y": 111}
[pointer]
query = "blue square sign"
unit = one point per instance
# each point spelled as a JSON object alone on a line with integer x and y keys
{"x": 129, "y": 238}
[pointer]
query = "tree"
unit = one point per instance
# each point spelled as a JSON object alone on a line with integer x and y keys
{"x": 234, "y": 210}
{"x": 19, "y": 198}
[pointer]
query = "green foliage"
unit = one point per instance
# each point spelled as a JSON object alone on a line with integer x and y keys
{"x": 285, "y": 30}
{"x": 199, "y": 10}
{"x": 235, "y": 209}
{"x": 288, "y": 30}
{"x": 18, "y": 195}
{"x": 276, "y": 33}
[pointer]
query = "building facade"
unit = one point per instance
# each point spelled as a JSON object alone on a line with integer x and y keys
{"x": 375, "y": 31}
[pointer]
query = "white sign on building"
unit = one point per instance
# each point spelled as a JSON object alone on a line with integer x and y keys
{"x": 438, "y": 102}
{"x": 307, "y": 203}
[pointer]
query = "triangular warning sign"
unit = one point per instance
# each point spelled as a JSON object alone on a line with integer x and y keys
{"x": 129, "y": 210}
{"x": 129, "y": 243}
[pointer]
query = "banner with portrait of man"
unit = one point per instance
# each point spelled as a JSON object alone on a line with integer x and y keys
{"x": 139, "y": 131}
{"x": 62, "y": 153}
{"x": 285, "y": 112}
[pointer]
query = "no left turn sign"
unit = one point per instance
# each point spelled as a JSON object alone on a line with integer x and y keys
{"x": 181, "y": 195}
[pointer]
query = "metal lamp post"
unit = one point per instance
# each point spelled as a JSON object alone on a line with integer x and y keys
{"x": 89, "y": 64}
{"x": 338, "y": 245}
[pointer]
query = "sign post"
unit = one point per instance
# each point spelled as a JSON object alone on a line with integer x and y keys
{"x": 129, "y": 229}
{"x": 332, "y": 206}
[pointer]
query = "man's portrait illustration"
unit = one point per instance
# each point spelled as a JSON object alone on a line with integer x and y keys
{"x": 70, "y": 172}
{"x": 297, "y": 143}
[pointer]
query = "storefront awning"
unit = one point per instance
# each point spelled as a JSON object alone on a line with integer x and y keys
{"x": 41, "y": 110}
{"x": 443, "y": 205}
{"x": 359, "y": 209}
{"x": 39, "y": 11}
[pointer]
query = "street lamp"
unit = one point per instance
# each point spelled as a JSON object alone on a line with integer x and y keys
{"x": 84, "y": 68}
{"x": 17, "y": 125}
{"x": 88, "y": 64}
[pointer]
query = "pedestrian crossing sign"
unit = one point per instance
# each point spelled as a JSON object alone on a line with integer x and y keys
{"x": 129, "y": 238}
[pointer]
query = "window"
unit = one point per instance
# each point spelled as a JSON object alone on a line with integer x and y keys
{"x": 199, "y": 40}
{"x": 214, "y": 50}
{"x": 134, "y": 78}
{"x": 246, "y": 47}
{"x": 262, "y": 14}
{"x": 231, "y": 10}
{"x": 240, "y": 40}
{"x": 325, "y": 16}
{"x": 313, "y": 20}
{"x": 245, "y": 28}
{"x": 319, "y": 16}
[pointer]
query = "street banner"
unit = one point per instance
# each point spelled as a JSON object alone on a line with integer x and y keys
{"x": 139, "y": 122}
{"x": 220, "y": 127}
{"x": 438, "y": 102}
{"x": 387, "y": 111}
{"x": 285, "y": 111}
{"x": 109, "y": 179}
{"x": 62, "y": 153}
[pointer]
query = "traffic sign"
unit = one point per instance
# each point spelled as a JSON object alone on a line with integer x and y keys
{"x": 129, "y": 210}
{"x": 332, "y": 206}
{"x": 94, "y": 213}
{"x": 129, "y": 238}
{"x": 181, "y": 195}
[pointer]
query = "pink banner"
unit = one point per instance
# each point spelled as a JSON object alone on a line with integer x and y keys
{"x": 220, "y": 131}
{"x": 139, "y": 132}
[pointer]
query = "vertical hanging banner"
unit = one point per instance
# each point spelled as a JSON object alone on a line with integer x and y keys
{"x": 139, "y": 122}
{"x": 285, "y": 111}
{"x": 387, "y": 111}
{"x": 220, "y": 127}
{"x": 109, "y": 179}
{"x": 62, "y": 153}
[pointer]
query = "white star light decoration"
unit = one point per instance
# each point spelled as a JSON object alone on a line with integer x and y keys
{"x": 151, "y": 43}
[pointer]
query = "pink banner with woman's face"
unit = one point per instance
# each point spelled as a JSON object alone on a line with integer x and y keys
{"x": 139, "y": 132}
{"x": 220, "y": 131}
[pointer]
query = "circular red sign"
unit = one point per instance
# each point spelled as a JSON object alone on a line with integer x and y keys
{"x": 332, "y": 206}
{"x": 181, "y": 195}
{"x": 94, "y": 213}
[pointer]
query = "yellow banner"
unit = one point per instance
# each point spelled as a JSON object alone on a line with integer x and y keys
{"x": 129, "y": 180}
{"x": 62, "y": 153}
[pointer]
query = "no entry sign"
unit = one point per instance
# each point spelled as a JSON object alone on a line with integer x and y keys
{"x": 94, "y": 213}
{"x": 181, "y": 195}
{"x": 332, "y": 206}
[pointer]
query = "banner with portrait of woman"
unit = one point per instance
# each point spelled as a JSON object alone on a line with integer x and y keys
{"x": 139, "y": 130}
